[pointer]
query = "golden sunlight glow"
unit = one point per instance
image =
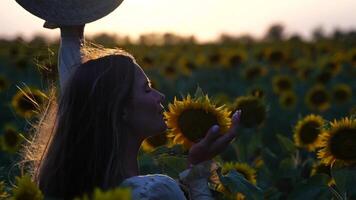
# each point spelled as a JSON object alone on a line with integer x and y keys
{"x": 204, "y": 18}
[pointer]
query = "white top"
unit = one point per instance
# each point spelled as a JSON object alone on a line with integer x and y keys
{"x": 156, "y": 186}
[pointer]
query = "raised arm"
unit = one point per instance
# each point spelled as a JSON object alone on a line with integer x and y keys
{"x": 69, "y": 57}
{"x": 69, "y": 54}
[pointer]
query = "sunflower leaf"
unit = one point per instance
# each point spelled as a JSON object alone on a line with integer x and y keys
{"x": 171, "y": 165}
{"x": 314, "y": 187}
{"x": 236, "y": 182}
{"x": 345, "y": 178}
{"x": 286, "y": 144}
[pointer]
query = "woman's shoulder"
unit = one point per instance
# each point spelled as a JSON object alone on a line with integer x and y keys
{"x": 153, "y": 186}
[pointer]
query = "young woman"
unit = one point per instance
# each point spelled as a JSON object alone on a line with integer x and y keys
{"x": 106, "y": 108}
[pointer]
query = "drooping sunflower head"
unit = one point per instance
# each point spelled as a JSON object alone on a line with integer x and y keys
{"x": 339, "y": 142}
{"x": 281, "y": 83}
{"x": 155, "y": 141}
{"x": 341, "y": 93}
{"x": 253, "y": 110}
{"x": 288, "y": 100}
{"x": 307, "y": 132}
{"x": 317, "y": 98}
{"x": 190, "y": 119}
{"x": 26, "y": 102}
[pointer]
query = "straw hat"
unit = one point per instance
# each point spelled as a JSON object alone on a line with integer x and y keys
{"x": 70, "y": 12}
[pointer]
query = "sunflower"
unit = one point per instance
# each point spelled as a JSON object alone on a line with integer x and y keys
{"x": 339, "y": 142}
{"x": 10, "y": 139}
{"x": 324, "y": 76}
{"x": 254, "y": 72}
{"x": 155, "y": 141}
{"x": 170, "y": 72}
{"x": 191, "y": 118}
{"x": 233, "y": 58}
{"x": 26, "y": 189}
{"x": 246, "y": 170}
{"x": 288, "y": 99}
{"x": 4, "y": 83}
{"x": 26, "y": 102}
{"x": 307, "y": 132}
{"x": 333, "y": 67}
{"x": 253, "y": 110}
{"x": 341, "y": 93}
{"x": 317, "y": 98}
{"x": 221, "y": 99}
{"x": 256, "y": 91}
{"x": 276, "y": 56}
{"x": 281, "y": 83}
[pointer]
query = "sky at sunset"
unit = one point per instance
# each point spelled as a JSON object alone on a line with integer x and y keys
{"x": 206, "y": 19}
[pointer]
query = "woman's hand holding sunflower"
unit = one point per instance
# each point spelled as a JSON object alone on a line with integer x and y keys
{"x": 213, "y": 143}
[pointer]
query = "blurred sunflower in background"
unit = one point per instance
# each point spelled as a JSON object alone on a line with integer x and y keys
{"x": 244, "y": 169}
{"x": 317, "y": 98}
{"x": 341, "y": 93}
{"x": 281, "y": 83}
{"x": 254, "y": 72}
{"x": 253, "y": 110}
{"x": 26, "y": 102}
{"x": 333, "y": 67}
{"x": 339, "y": 142}
{"x": 190, "y": 119}
{"x": 256, "y": 91}
{"x": 170, "y": 72}
{"x": 307, "y": 132}
{"x": 233, "y": 57}
{"x": 153, "y": 142}
{"x": 10, "y": 139}
{"x": 275, "y": 56}
{"x": 221, "y": 99}
{"x": 26, "y": 189}
{"x": 288, "y": 99}
{"x": 4, "y": 83}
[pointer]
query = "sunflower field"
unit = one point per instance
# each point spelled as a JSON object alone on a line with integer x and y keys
{"x": 297, "y": 132}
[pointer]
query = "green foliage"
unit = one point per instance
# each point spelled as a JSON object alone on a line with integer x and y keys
{"x": 236, "y": 182}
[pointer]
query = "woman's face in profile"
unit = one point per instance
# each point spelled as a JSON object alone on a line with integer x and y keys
{"x": 145, "y": 113}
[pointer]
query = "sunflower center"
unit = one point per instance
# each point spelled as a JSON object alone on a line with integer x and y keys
{"x": 284, "y": 84}
{"x": 343, "y": 144}
{"x": 157, "y": 140}
{"x": 319, "y": 97}
{"x": 11, "y": 138}
{"x": 309, "y": 132}
{"x": 341, "y": 95}
{"x": 194, "y": 123}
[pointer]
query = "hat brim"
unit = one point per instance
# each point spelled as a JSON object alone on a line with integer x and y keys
{"x": 70, "y": 12}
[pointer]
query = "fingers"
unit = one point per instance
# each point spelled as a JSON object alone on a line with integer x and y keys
{"x": 225, "y": 139}
{"x": 212, "y": 134}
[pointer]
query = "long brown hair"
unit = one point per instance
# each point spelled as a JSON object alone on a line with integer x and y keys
{"x": 81, "y": 139}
